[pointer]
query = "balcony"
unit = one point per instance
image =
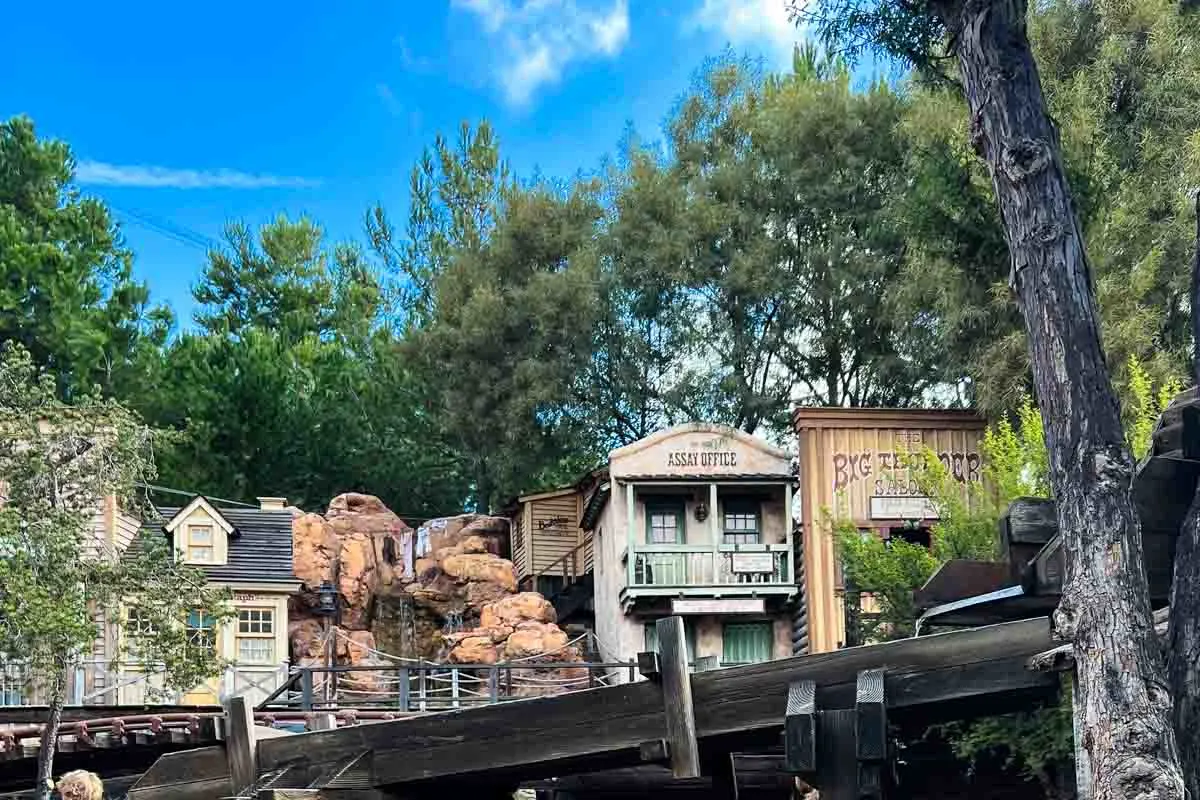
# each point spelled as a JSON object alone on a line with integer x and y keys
{"x": 679, "y": 570}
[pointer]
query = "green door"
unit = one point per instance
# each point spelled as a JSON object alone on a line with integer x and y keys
{"x": 746, "y": 643}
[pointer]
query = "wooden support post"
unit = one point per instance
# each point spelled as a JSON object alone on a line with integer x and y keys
{"x": 837, "y": 767}
{"x": 649, "y": 665}
{"x": 630, "y": 533}
{"x": 871, "y": 742}
{"x": 240, "y": 745}
{"x": 800, "y": 728}
{"x": 677, "y": 698}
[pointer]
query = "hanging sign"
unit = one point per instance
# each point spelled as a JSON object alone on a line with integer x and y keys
{"x": 753, "y": 563}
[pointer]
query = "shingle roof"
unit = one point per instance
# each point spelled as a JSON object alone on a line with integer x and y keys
{"x": 260, "y": 549}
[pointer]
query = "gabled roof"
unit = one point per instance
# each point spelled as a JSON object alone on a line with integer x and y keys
{"x": 199, "y": 501}
{"x": 697, "y": 427}
{"x": 260, "y": 553}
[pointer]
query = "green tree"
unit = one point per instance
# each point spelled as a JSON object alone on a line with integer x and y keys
{"x": 510, "y": 334}
{"x": 67, "y": 294}
{"x": 59, "y": 462}
{"x": 295, "y": 383}
{"x": 456, "y": 199}
{"x": 1120, "y": 79}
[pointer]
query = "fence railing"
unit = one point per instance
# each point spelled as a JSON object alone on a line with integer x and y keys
{"x": 573, "y": 565}
{"x": 101, "y": 683}
{"x": 664, "y": 565}
{"x": 417, "y": 687}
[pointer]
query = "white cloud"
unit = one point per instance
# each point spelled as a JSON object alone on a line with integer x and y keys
{"x": 537, "y": 39}
{"x": 763, "y": 24}
{"x": 151, "y": 177}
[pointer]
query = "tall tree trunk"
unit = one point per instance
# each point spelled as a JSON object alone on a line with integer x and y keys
{"x": 49, "y": 743}
{"x": 1105, "y": 607}
{"x": 1183, "y": 654}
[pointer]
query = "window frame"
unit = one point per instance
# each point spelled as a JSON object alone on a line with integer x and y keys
{"x": 266, "y": 618}
{"x": 196, "y": 631}
{"x": 192, "y": 546}
{"x": 662, "y": 505}
{"x": 741, "y": 506}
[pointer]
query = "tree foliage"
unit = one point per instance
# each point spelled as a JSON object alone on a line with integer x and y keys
{"x": 67, "y": 294}
{"x": 60, "y": 463}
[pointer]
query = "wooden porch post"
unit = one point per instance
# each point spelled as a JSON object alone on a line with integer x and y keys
{"x": 631, "y": 520}
{"x": 789, "y": 526}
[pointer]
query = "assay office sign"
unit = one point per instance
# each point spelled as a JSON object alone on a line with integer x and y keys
{"x": 714, "y": 454}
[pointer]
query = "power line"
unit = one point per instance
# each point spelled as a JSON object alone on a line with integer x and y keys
{"x": 152, "y": 487}
{"x": 178, "y": 233}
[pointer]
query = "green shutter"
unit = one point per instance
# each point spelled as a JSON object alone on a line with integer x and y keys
{"x": 746, "y": 642}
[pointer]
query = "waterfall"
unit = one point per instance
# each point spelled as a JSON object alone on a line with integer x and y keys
{"x": 453, "y": 623}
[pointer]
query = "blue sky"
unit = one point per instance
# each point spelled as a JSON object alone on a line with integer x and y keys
{"x": 186, "y": 115}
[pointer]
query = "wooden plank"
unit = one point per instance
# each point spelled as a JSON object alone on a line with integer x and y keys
{"x": 240, "y": 744}
{"x": 1025, "y": 527}
{"x": 677, "y": 698}
{"x": 920, "y": 672}
{"x": 200, "y": 774}
{"x": 603, "y": 728}
{"x": 871, "y": 734}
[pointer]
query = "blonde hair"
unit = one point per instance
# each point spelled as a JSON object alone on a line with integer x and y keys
{"x": 80, "y": 785}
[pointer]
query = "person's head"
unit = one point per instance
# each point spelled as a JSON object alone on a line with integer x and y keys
{"x": 80, "y": 785}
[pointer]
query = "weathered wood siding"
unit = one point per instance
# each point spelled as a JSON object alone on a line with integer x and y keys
{"x": 554, "y": 531}
{"x": 520, "y": 544}
{"x": 852, "y": 467}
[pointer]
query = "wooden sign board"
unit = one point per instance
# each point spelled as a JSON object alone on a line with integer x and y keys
{"x": 753, "y": 563}
{"x": 904, "y": 507}
{"x": 726, "y": 605}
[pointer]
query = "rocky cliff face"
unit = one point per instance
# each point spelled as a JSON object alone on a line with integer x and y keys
{"x": 456, "y": 601}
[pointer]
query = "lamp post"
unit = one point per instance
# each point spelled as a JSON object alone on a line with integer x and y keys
{"x": 327, "y": 608}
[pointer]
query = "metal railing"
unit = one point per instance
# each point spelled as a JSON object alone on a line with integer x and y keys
{"x": 670, "y": 565}
{"x": 418, "y": 687}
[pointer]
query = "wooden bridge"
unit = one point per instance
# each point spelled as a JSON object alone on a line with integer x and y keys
{"x": 823, "y": 717}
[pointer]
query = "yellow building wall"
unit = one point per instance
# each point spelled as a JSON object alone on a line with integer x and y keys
{"x": 851, "y": 467}
{"x": 199, "y": 516}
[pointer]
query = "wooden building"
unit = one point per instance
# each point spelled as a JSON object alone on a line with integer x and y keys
{"x": 248, "y": 550}
{"x": 550, "y": 550}
{"x": 695, "y": 521}
{"x": 853, "y": 467}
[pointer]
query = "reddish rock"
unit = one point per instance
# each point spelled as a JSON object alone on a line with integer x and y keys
{"x": 535, "y": 639}
{"x": 481, "y": 567}
{"x": 517, "y": 608}
{"x": 474, "y": 650}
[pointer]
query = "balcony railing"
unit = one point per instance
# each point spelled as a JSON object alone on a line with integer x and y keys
{"x": 680, "y": 565}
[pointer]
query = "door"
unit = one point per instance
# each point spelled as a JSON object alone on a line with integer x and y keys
{"x": 746, "y": 643}
{"x": 202, "y": 633}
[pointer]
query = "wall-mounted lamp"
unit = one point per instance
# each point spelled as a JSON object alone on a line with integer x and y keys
{"x": 701, "y": 510}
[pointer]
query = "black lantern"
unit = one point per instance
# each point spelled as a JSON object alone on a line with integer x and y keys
{"x": 327, "y": 598}
{"x": 701, "y": 511}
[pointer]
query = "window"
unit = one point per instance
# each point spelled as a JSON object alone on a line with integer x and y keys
{"x": 664, "y": 522}
{"x": 689, "y": 637}
{"x": 200, "y": 544}
{"x": 741, "y": 522}
{"x": 746, "y": 643}
{"x": 137, "y": 623}
{"x": 201, "y": 630}
{"x": 256, "y": 636}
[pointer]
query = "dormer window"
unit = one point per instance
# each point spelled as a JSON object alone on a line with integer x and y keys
{"x": 200, "y": 547}
{"x": 200, "y": 534}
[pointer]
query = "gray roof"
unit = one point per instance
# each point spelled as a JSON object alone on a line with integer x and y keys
{"x": 260, "y": 548}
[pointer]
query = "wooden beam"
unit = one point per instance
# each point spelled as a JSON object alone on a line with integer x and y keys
{"x": 677, "y": 698}
{"x": 604, "y": 728}
{"x": 800, "y": 728}
{"x": 241, "y": 745}
{"x": 871, "y": 734}
{"x": 837, "y": 768}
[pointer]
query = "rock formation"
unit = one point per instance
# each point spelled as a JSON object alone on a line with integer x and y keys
{"x": 457, "y": 603}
